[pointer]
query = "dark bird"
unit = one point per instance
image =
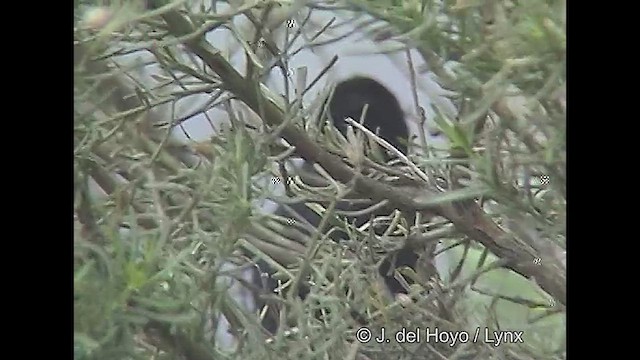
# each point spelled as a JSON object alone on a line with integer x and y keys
{"x": 385, "y": 117}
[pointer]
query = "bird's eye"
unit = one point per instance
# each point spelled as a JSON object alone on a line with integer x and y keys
{"x": 383, "y": 113}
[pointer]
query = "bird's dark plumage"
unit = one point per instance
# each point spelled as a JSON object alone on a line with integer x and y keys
{"x": 384, "y": 116}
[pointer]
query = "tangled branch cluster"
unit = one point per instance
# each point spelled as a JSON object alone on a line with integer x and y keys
{"x": 158, "y": 220}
